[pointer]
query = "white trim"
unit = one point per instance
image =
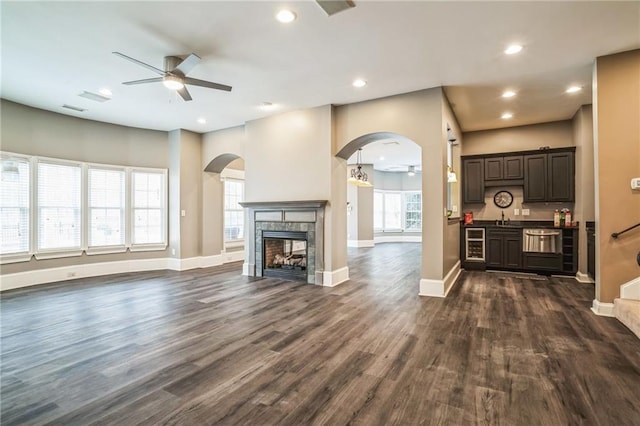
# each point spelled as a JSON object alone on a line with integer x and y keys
{"x": 51, "y": 275}
{"x": 398, "y": 239}
{"x": 630, "y": 290}
{"x": 440, "y": 288}
{"x": 602, "y": 309}
{"x": 333, "y": 278}
{"x": 44, "y": 255}
{"x": 584, "y": 278}
{"x": 232, "y": 256}
{"x": 15, "y": 258}
{"x": 231, "y": 174}
{"x": 105, "y": 250}
{"x": 247, "y": 268}
{"x": 360, "y": 243}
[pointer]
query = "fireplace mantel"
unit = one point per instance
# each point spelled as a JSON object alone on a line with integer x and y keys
{"x": 305, "y": 204}
{"x": 302, "y": 216}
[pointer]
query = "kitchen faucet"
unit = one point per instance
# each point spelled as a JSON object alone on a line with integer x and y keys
{"x": 501, "y": 221}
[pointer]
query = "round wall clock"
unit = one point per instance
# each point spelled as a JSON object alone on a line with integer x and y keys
{"x": 503, "y": 199}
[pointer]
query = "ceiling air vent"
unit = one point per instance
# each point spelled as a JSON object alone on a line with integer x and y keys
{"x": 75, "y": 108}
{"x": 334, "y": 6}
{"x": 94, "y": 96}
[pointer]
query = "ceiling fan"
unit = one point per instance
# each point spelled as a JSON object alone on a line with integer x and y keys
{"x": 174, "y": 75}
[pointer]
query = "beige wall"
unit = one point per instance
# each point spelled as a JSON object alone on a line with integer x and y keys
{"x": 417, "y": 116}
{"x": 584, "y": 209}
{"x": 360, "y": 220}
{"x": 451, "y": 250}
{"x": 32, "y": 131}
{"x": 617, "y": 147}
{"x": 557, "y": 134}
{"x": 489, "y": 211}
{"x": 190, "y": 195}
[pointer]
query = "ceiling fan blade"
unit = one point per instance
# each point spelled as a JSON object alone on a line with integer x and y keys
{"x": 135, "y": 61}
{"x": 209, "y": 84}
{"x": 184, "y": 93}
{"x": 187, "y": 64}
{"x": 146, "y": 80}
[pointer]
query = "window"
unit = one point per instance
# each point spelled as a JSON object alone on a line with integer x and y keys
{"x": 233, "y": 212}
{"x": 392, "y": 211}
{"x": 106, "y": 207}
{"x": 397, "y": 211}
{"x": 59, "y": 206}
{"x": 413, "y": 211}
{"x": 149, "y": 207}
{"x": 14, "y": 205}
{"x": 378, "y": 210}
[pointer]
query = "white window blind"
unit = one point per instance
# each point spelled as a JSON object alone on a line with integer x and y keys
{"x": 59, "y": 206}
{"x": 106, "y": 207}
{"x": 14, "y": 205}
{"x": 149, "y": 208}
{"x": 233, "y": 212}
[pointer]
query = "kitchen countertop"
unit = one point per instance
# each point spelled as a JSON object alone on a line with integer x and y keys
{"x": 518, "y": 224}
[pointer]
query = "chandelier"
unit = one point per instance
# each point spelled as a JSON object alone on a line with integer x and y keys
{"x": 358, "y": 176}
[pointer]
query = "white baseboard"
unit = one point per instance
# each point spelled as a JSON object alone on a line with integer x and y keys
{"x": 360, "y": 243}
{"x": 440, "y": 288}
{"x": 583, "y": 278}
{"x": 398, "y": 239}
{"x": 248, "y": 269}
{"x": 602, "y": 309}
{"x": 333, "y": 278}
{"x": 51, "y": 275}
{"x": 631, "y": 290}
{"x": 232, "y": 256}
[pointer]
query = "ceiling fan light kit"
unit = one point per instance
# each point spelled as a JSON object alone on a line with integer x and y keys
{"x": 174, "y": 75}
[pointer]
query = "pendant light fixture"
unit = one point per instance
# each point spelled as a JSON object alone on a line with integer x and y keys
{"x": 411, "y": 171}
{"x": 358, "y": 176}
{"x": 451, "y": 175}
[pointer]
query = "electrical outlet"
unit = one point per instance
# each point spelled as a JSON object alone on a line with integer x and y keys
{"x": 71, "y": 274}
{"x": 516, "y": 212}
{"x": 525, "y": 212}
{"x": 173, "y": 252}
{"x": 454, "y": 209}
{"x": 183, "y": 213}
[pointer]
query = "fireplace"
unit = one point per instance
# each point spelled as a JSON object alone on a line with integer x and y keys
{"x": 284, "y": 255}
{"x": 285, "y": 239}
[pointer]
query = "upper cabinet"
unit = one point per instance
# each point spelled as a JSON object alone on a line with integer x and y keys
{"x": 503, "y": 168}
{"x": 549, "y": 177}
{"x": 473, "y": 180}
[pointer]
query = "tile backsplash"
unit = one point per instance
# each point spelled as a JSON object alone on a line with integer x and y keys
{"x": 537, "y": 211}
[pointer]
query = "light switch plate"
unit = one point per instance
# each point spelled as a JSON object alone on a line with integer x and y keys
{"x": 635, "y": 183}
{"x": 183, "y": 213}
{"x": 525, "y": 212}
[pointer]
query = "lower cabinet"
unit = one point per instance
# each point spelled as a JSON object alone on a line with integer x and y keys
{"x": 504, "y": 248}
{"x": 548, "y": 262}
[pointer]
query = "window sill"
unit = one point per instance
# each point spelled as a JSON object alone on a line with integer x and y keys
{"x": 105, "y": 250}
{"x": 58, "y": 254}
{"x": 234, "y": 243}
{"x": 148, "y": 247}
{"x": 15, "y": 258}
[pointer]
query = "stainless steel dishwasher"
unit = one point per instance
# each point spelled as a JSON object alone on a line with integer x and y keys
{"x": 541, "y": 240}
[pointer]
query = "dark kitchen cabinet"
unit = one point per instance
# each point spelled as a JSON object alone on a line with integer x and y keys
{"x": 560, "y": 176}
{"x": 503, "y": 168}
{"x": 549, "y": 177}
{"x": 591, "y": 249}
{"x": 473, "y": 181}
{"x": 535, "y": 178}
{"x": 570, "y": 250}
{"x": 504, "y": 248}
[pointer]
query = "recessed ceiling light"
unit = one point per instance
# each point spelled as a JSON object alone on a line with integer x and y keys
{"x": 359, "y": 83}
{"x": 106, "y": 92}
{"x": 285, "y": 16}
{"x": 574, "y": 89}
{"x": 513, "y": 49}
{"x": 202, "y": 121}
{"x": 509, "y": 94}
{"x": 381, "y": 158}
{"x": 267, "y": 105}
{"x": 507, "y": 115}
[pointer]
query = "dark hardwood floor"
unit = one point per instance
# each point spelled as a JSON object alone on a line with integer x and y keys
{"x": 210, "y": 346}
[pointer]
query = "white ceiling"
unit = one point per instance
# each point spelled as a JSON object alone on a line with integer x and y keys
{"x": 52, "y": 51}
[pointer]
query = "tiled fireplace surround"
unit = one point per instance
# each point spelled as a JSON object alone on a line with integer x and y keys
{"x": 300, "y": 216}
